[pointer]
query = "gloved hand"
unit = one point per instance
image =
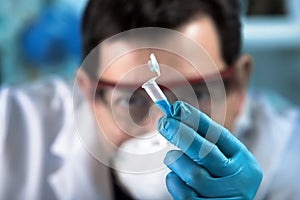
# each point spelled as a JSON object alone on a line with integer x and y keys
{"x": 213, "y": 164}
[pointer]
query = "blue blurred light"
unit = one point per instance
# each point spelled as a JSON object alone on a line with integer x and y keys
{"x": 52, "y": 37}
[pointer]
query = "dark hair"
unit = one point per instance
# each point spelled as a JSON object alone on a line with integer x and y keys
{"x": 105, "y": 18}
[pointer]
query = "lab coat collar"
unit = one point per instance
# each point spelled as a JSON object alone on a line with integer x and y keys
{"x": 266, "y": 133}
{"x": 80, "y": 176}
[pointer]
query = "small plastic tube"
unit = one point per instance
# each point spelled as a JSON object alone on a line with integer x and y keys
{"x": 153, "y": 90}
{"x": 157, "y": 96}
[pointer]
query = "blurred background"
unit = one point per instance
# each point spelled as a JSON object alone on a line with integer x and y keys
{"x": 41, "y": 37}
{"x": 272, "y": 37}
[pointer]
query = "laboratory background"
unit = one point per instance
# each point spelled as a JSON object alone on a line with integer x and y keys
{"x": 41, "y": 38}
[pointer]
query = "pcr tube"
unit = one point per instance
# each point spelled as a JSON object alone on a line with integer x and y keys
{"x": 153, "y": 90}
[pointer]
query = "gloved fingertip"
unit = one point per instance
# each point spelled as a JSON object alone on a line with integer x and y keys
{"x": 180, "y": 110}
{"x": 162, "y": 124}
{"x": 172, "y": 156}
{"x": 175, "y": 108}
{"x": 165, "y": 128}
{"x": 171, "y": 175}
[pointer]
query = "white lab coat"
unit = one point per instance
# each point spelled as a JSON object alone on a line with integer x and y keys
{"x": 42, "y": 157}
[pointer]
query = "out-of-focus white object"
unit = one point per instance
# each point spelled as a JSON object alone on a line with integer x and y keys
{"x": 41, "y": 155}
{"x": 149, "y": 184}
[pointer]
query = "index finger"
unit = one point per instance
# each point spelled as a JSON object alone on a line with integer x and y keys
{"x": 206, "y": 127}
{"x": 194, "y": 146}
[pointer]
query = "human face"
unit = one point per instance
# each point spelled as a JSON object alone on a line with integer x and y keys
{"x": 202, "y": 31}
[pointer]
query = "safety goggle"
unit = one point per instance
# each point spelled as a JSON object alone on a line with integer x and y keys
{"x": 130, "y": 104}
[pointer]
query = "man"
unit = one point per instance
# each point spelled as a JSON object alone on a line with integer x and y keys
{"x": 41, "y": 158}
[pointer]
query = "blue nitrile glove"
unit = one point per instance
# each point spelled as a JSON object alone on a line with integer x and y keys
{"x": 213, "y": 164}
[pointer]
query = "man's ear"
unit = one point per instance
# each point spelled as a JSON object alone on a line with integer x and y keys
{"x": 84, "y": 83}
{"x": 243, "y": 72}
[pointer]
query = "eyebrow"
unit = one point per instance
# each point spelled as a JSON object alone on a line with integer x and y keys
{"x": 225, "y": 74}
